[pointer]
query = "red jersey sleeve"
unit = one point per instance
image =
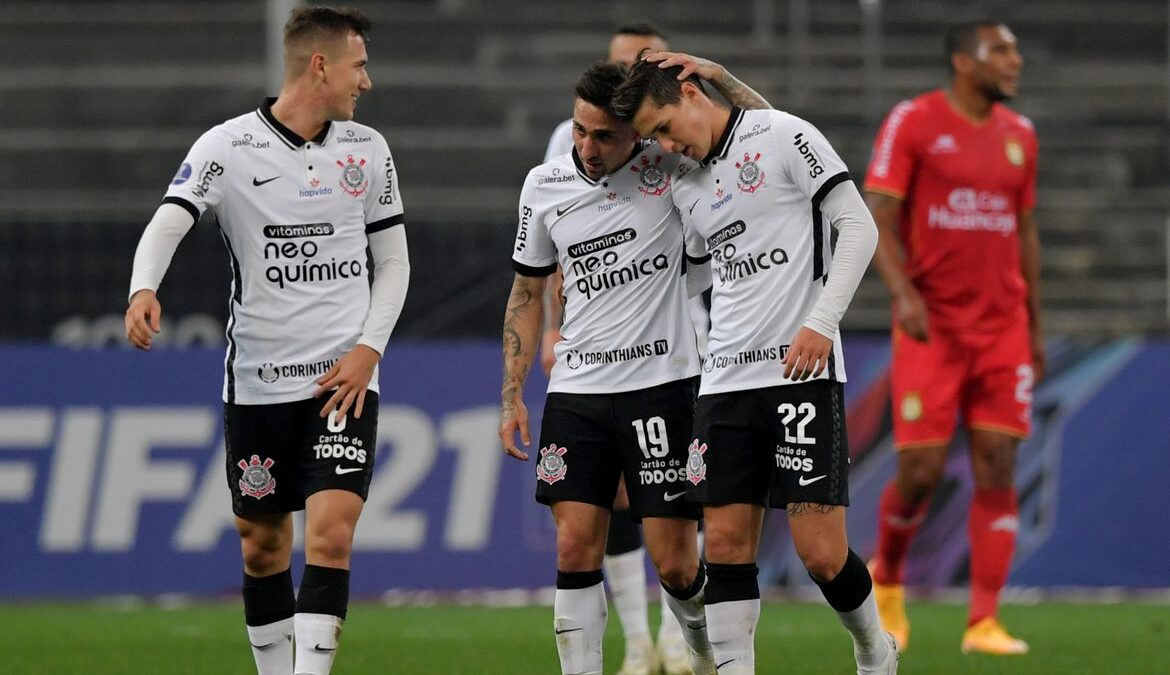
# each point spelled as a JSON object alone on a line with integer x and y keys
{"x": 891, "y": 167}
{"x": 1032, "y": 154}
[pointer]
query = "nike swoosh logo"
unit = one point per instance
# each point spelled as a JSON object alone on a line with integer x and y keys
{"x": 696, "y": 626}
{"x": 692, "y": 209}
{"x": 720, "y": 665}
{"x": 267, "y": 645}
{"x": 671, "y": 497}
{"x": 341, "y": 472}
{"x": 257, "y": 182}
{"x": 323, "y": 650}
{"x": 559, "y": 631}
{"x": 809, "y": 481}
{"x": 561, "y": 212}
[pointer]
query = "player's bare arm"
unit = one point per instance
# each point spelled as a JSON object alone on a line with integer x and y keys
{"x": 890, "y": 259}
{"x": 1030, "y": 267}
{"x": 521, "y": 331}
{"x": 143, "y": 318}
{"x": 729, "y": 86}
{"x": 348, "y": 379}
{"x": 554, "y": 310}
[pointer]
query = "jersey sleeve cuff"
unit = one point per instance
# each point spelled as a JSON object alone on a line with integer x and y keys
{"x": 188, "y": 206}
{"x": 385, "y": 223}
{"x": 700, "y": 260}
{"x": 530, "y": 271}
{"x": 828, "y": 186}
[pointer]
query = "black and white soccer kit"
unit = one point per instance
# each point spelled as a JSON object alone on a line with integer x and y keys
{"x": 621, "y": 393}
{"x": 295, "y": 215}
{"x": 753, "y": 207}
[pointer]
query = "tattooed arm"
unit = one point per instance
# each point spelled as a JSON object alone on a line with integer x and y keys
{"x": 521, "y": 337}
{"x": 729, "y": 86}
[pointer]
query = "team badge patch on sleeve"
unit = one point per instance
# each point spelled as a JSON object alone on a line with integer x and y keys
{"x": 257, "y": 480}
{"x": 696, "y": 465}
{"x": 551, "y": 466}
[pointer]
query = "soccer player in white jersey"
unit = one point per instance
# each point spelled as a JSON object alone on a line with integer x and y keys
{"x": 621, "y": 397}
{"x": 299, "y": 192}
{"x": 624, "y": 567}
{"x": 757, "y": 198}
{"x": 624, "y": 562}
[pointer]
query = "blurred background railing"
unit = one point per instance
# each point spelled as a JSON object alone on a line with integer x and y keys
{"x": 100, "y": 101}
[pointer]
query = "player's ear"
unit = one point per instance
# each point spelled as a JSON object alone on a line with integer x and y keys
{"x": 317, "y": 64}
{"x": 689, "y": 90}
{"x": 962, "y": 62}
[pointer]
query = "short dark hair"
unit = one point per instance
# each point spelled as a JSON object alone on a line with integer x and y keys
{"x": 314, "y": 23}
{"x": 598, "y": 84}
{"x": 963, "y": 38}
{"x": 646, "y": 79}
{"x": 640, "y": 28}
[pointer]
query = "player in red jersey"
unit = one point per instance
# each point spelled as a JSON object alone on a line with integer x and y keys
{"x": 952, "y": 185}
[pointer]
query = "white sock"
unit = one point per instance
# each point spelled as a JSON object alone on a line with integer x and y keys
{"x": 692, "y": 618}
{"x": 669, "y": 627}
{"x": 272, "y": 647}
{"x": 731, "y": 627}
{"x": 869, "y": 643}
{"x": 316, "y": 642}
{"x": 579, "y": 616}
{"x": 626, "y": 575}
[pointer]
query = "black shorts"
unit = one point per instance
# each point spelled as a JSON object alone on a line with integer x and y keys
{"x": 588, "y": 440}
{"x": 278, "y": 455}
{"x": 771, "y": 446}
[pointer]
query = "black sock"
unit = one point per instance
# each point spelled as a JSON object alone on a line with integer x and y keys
{"x": 726, "y": 583}
{"x": 268, "y": 599}
{"x": 624, "y": 534}
{"x": 846, "y": 591}
{"x": 577, "y": 580}
{"x": 324, "y": 590}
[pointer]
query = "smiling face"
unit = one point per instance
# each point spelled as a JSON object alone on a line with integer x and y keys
{"x": 995, "y": 66}
{"x": 603, "y": 142}
{"x": 678, "y": 127}
{"x": 345, "y": 77}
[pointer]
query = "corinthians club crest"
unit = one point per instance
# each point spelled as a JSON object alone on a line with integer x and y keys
{"x": 751, "y": 178}
{"x": 257, "y": 480}
{"x": 353, "y": 178}
{"x": 652, "y": 180}
{"x": 696, "y": 466}
{"x": 551, "y": 466}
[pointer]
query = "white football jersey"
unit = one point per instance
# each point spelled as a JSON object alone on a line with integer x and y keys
{"x": 753, "y": 206}
{"x": 620, "y": 245}
{"x": 294, "y": 215}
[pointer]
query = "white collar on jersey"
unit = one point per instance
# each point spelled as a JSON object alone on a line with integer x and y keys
{"x": 724, "y": 142}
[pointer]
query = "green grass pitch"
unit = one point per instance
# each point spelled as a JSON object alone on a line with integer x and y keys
{"x": 793, "y": 638}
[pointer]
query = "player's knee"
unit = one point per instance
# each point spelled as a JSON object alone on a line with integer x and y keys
{"x": 676, "y": 566}
{"x": 725, "y": 545}
{"x": 822, "y": 561}
{"x": 578, "y": 554}
{"x": 675, "y": 572}
{"x": 919, "y": 476}
{"x": 331, "y": 541}
{"x": 994, "y": 464}
{"x": 261, "y": 558}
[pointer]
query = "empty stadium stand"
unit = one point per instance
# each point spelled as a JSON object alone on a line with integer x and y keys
{"x": 101, "y": 100}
